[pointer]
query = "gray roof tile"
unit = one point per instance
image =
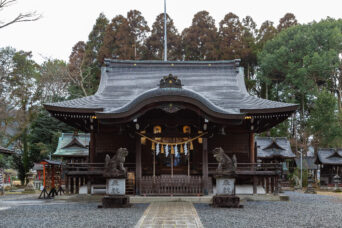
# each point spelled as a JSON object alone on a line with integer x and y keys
{"x": 217, "y": 84}
{"x": 268, "y": 147}
{"x": 330, "y": 156}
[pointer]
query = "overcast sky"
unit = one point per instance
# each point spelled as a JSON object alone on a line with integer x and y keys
{"x": 65, "y": 22}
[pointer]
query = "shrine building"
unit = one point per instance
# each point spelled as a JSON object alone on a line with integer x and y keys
{"x": 170, "y": 116}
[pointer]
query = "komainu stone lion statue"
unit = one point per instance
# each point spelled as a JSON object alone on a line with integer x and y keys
{"x": 226, "y": 165}
{"x": 115, "y": 167}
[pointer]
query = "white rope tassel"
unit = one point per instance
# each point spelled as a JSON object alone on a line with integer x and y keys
{"x": 176, "y": 151}
{"x": 185, "y": 149}
{"x": 157, "y": 149}
{"x": 167, "y": 150}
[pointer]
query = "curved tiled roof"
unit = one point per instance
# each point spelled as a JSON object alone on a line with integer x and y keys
{"x": 218, "y": 85}
{"x": 70, "y": 145}
{"x": 6, "y": 151}
{"x": 268, "y": 147}
{"x": 330, "y": 156}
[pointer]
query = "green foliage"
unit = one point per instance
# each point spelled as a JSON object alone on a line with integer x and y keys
{"x": 6, "y": 161}
{"x": 324, "y": 121}
{"x": 296, "y": 173}
{"x": 44, "y": 133}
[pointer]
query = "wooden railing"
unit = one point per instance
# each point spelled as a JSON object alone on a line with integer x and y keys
{"x": 171, "y": 185}
{"x": 91, "y": 168}
{"x": 252, "y": 168}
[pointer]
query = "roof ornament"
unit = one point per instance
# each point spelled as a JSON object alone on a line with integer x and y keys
{"x": 170, "y": 82}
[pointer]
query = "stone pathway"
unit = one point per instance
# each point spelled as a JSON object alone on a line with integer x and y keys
{"x": 170, "y": 214}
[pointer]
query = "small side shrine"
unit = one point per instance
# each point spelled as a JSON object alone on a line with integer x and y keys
{"x": 38, "y": 179}
{"x": 5, "y": 152}
{"x": 330, "y": 161}
{"x": 270, "y": 149}
{"x": 73, "y": 147}
{"x": 52, "y": 179}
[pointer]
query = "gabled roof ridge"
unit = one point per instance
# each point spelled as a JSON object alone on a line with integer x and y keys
{"x": 74, "y": 141}
{"x": 236, "y": 61}
{"x": 273, "y": 143}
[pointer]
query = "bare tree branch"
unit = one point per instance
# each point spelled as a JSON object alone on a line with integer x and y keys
{"x": 22, "y": 17}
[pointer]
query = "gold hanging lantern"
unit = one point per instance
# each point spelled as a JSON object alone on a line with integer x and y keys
{"x": 153, "y": 146}
{"x": 143, "y": 140}
{"x": 172, "y": 150}
{"x": 200, "y": 140}
{"x": 181, "y": 149}
{"x": 191, "y": 146}
{"x": 162, "y": 149}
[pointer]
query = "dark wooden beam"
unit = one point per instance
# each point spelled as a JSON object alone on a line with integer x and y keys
{"x": 205, "y": 166}
{"x": 92, "y": 147}
{"x": 251, "y": 148}
{"x": 138, "y": 171}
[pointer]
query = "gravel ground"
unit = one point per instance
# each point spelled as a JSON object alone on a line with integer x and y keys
{"x": 303, "y": 210}
{"x": 50, "y": 213}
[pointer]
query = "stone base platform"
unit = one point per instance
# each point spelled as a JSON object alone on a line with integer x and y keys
{"x": 229, "y": 201}
{"x": 115, "y": 202}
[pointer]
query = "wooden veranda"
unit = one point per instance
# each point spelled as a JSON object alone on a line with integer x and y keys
{"x": 260, "y": 174}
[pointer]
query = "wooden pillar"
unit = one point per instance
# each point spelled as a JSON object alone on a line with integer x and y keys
{"x": 92, "y": 144}
{"x": 44, "y": 176}
{"x": 138, "y": 172}
{"x": 272, "y": 184}
{"x": 77, "y": 185}
{"x": 267, "y": 184}
{"x": 88, "y": 186}
{"x": 255, "y": 183}
{"x": 53, "y": 176}
{"x": 205, "y": 166}
{"x": 252, "y": 149}
{"x": 71, "y": 185}
{"x": 67, "y": 184}
{"x": 171, "y": 156}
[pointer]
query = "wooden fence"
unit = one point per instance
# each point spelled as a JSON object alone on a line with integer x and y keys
{"x": 171, "y": 185}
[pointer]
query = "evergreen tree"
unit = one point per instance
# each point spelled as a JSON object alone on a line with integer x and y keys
{"x": 43, "y": 137}
{"x": 138, "y": 32}
{"x": 92, "y": 48}
{"x": 124, "y": 37}
{"x": 287, "y": 21}
{"x": 324, "y": 122}
{"x": 200, "y": 40}
{"x": 155, "y": 42}
{"x": 265, "y": 33}
{"x": 230, "y": 34}
{"x": 249, "y": 51}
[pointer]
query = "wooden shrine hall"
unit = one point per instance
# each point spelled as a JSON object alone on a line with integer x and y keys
{"x": 170, "y": 116}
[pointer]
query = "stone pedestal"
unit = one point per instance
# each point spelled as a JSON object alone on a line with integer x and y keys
{"x": 230, "y": 201}
{"x": 116, "y": 186}
{"x": 225, "y": 186}
{"x": 115, "y": 201}
{"x": 225, "y": 193}
{"x": 115, "y": 190}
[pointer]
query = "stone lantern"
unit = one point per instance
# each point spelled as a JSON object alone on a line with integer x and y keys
{"x": 30, "y": 187}
{"x": 337, "y": 181}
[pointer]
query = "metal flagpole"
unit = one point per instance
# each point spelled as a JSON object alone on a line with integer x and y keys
{"x": 165, "y": 33}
